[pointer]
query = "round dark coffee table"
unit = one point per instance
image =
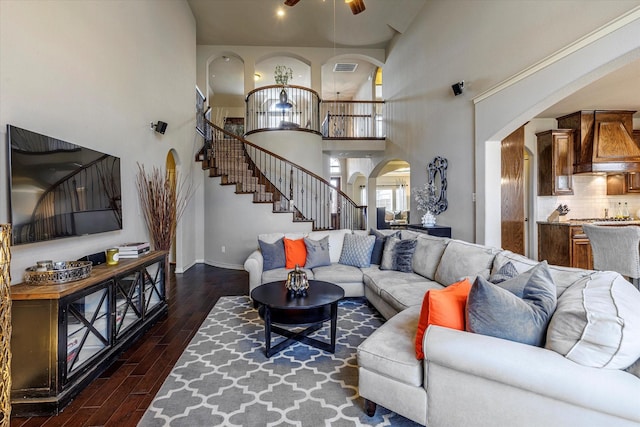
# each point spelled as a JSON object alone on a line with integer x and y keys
{"x": 276, "y": 306}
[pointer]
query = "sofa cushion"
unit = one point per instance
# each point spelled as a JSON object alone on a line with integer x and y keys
{"x": 295, "y": 252}
{"x": 427, "y": 256}
{"x": 389, "y": 350}
{"x": 597, "y": 322}
{"x": 403, "y": 295}
{"x": 272, "y": 254}
{"x": 317, "y": 252}
{"x": 444, "y": 307}
{"x": 462, "y": 259}
{"x": 356, "y": 250}
{"x": 338, "y": 273}
{"x": 563, "y": 277}
{"x": 377, "y": 279}
{"x": 493, "y": 310}
{"x": 336, "y": 239}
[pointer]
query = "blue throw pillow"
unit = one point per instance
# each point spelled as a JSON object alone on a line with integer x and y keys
{"x": 493, "y": 310}
{"x": 317, "y": 252}
{"x": 272, "y": 254}
{"x": 403, "y": 256}
{"x": 356, "y": 250}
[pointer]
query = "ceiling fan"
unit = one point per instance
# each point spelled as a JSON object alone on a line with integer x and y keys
{"x": 356, "y": 6}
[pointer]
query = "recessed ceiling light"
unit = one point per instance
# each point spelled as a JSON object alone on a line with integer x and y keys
{"x": 280, "y": 12}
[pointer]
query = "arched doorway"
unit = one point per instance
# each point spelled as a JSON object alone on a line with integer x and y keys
{"x": 170, "y": 164}
{"x": 392, "y": 194}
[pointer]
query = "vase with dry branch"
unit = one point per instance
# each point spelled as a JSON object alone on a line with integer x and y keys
{"x": 5, "y": 325}
{"x": 163, "y": 199}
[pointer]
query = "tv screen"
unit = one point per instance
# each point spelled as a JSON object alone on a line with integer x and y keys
{"x": 59, "y": 189}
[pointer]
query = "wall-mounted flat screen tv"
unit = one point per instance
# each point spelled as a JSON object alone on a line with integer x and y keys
{"x": 59, "y": 189}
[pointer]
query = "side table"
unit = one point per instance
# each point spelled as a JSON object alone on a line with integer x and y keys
{"x": 434, "y": 230}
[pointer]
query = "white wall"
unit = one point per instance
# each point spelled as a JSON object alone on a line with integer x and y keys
{"x": 482, "y": 43}
{"x": 502, "y": 110}
{"x": 302, "y": 148}
{"x": 96, "y": 73}
{"x": 237, "y": 221}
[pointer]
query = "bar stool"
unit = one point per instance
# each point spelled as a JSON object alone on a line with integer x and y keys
{"x": 616, "y": 249}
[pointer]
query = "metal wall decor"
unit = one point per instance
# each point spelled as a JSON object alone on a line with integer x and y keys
{"x": 438, "y": 166}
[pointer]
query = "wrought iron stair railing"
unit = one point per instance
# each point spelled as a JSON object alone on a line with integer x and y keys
{"x": 274, "y": 179}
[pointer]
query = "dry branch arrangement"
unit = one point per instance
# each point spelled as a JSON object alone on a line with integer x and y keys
{"x": 163, "y": 199}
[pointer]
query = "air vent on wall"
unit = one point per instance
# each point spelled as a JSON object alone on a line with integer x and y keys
{"x": 342, "y": 67}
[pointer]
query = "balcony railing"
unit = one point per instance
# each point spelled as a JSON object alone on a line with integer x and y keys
{"x": 353, "y": 120}
{"x": 280, "y": 107}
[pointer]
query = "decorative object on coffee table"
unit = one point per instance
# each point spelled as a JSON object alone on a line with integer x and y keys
{"x": 276, "y": 306}
{"x": 297, "y": 283}
{"x": 163, "y": 199}
{"x": 5, "y": 324}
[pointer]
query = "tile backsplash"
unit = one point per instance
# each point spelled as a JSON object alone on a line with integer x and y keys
{"x": 589, "y": 200}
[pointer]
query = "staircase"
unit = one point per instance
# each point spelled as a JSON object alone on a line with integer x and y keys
{"x": 272, "y": 179}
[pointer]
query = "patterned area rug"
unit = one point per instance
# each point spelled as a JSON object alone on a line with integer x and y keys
{"x": 223, "y": 378}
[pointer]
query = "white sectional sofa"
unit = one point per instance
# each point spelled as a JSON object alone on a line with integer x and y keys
{"x": 469, "y": 379}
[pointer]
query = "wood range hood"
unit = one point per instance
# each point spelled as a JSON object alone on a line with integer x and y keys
{"x": 603, "y": 141}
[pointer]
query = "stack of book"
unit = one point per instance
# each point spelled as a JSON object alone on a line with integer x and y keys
{"x": 133, "y": 250}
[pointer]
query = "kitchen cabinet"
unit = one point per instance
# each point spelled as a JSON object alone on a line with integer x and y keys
{"x": 564, "y": 244}
{"x": 64, "y": 336}
{"x": 555, "y": 162}
{"x": 581, "y": 256}
{"x": 623, "y": 183}
{"x": 604, "y": 141}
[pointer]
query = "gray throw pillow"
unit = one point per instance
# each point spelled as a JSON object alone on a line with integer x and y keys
{"x": 356, "y": 250}
{"x": 495, "y": 311}
{"x": 317, "y": 252}
{"x": 388, "y": 254}
{"x": 403, "y": 259}
{"x": 506, "y": 272}
{"x": 272, "y": 254}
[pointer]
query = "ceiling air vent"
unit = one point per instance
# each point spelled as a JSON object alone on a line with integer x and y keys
{"x": 342, "y": 67}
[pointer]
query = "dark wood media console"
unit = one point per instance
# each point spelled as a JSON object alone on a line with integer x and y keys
{"x": 64, "y": 336}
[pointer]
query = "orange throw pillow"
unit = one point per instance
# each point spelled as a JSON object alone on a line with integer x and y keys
{"x": 295, "y": 252}
{"x": 442, "y": 307}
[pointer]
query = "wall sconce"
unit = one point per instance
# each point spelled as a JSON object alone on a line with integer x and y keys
{"x": 159, "y": 127}
{"x": 457, "y": 88}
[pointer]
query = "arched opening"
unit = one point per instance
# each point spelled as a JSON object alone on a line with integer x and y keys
{"x": 170, "y": 165}
{"x": 496, "y": 115}
{"x": 392, "y": 194}
{"x": 226, "y": 92}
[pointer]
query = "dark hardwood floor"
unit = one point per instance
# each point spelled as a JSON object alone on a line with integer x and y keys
{"x": 120, "y": 396}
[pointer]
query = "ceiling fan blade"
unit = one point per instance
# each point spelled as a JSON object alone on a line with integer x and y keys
{"x": 356, "y": 6}
{"x": 291, "y": 2}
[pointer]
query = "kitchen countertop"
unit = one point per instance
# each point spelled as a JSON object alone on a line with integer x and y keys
{"x": 578, "y": 222}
